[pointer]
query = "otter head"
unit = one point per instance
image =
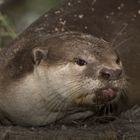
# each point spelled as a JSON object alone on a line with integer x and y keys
{"x": 80, "y": 68}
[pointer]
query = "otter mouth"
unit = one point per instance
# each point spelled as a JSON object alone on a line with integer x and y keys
{"x": 106, "y": 94}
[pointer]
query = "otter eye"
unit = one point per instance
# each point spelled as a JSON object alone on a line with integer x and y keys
{"x": 80, "y": 61}
{"x": 118, "y": 61}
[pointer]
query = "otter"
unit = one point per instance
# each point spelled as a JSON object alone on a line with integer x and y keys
{"x": 64, "y": 72}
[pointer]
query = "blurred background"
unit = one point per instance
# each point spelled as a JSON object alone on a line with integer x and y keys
{"x": 16, "y": 15}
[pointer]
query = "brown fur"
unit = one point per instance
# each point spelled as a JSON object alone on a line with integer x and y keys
{"x": 40, "y": 81}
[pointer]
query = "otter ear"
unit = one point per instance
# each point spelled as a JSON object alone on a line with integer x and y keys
{"x": 39, "y": 54}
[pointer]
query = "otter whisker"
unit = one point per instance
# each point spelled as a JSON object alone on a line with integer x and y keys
{"x": 124, "y": 96}
{"x": 53, "y": 105}
{"x": 74, "y": 87}
{"x": 56, "y": 105}
{"x": 105, "y": 110}
{"x": 63, "y": 105}
{"x": 122, "y": 42}
{"x": 108, "y": 109}
{"x": 75, "y": 91}
{"x": 54, "y": 95}
{"x": 65, "y": 85}
{"x": 119, "y": 33}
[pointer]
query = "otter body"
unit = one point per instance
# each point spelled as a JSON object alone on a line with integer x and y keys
{"x": 42, "y": 83}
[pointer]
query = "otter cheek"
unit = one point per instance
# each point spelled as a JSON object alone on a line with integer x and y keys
{"x": 87, "y": 99}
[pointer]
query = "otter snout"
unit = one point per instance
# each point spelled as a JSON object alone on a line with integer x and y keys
{"x": 110, "y": 74}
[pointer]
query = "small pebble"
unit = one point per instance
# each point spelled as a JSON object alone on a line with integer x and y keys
{"x": 81, "y": 16}
{"x": 57, "y": 12}
{"x": 56, "y": 29}
{"x": 85, "y": 126}
{"x": 69, "y": 4}
{"x": 63, "y": 127}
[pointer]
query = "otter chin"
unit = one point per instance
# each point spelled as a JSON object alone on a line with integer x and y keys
{"x": 108, "y": 94}
{"x": 105, "y": 95}
{"x": 46, "y": 81}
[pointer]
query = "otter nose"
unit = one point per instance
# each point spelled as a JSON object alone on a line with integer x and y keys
{"x": 110, "y": 74}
